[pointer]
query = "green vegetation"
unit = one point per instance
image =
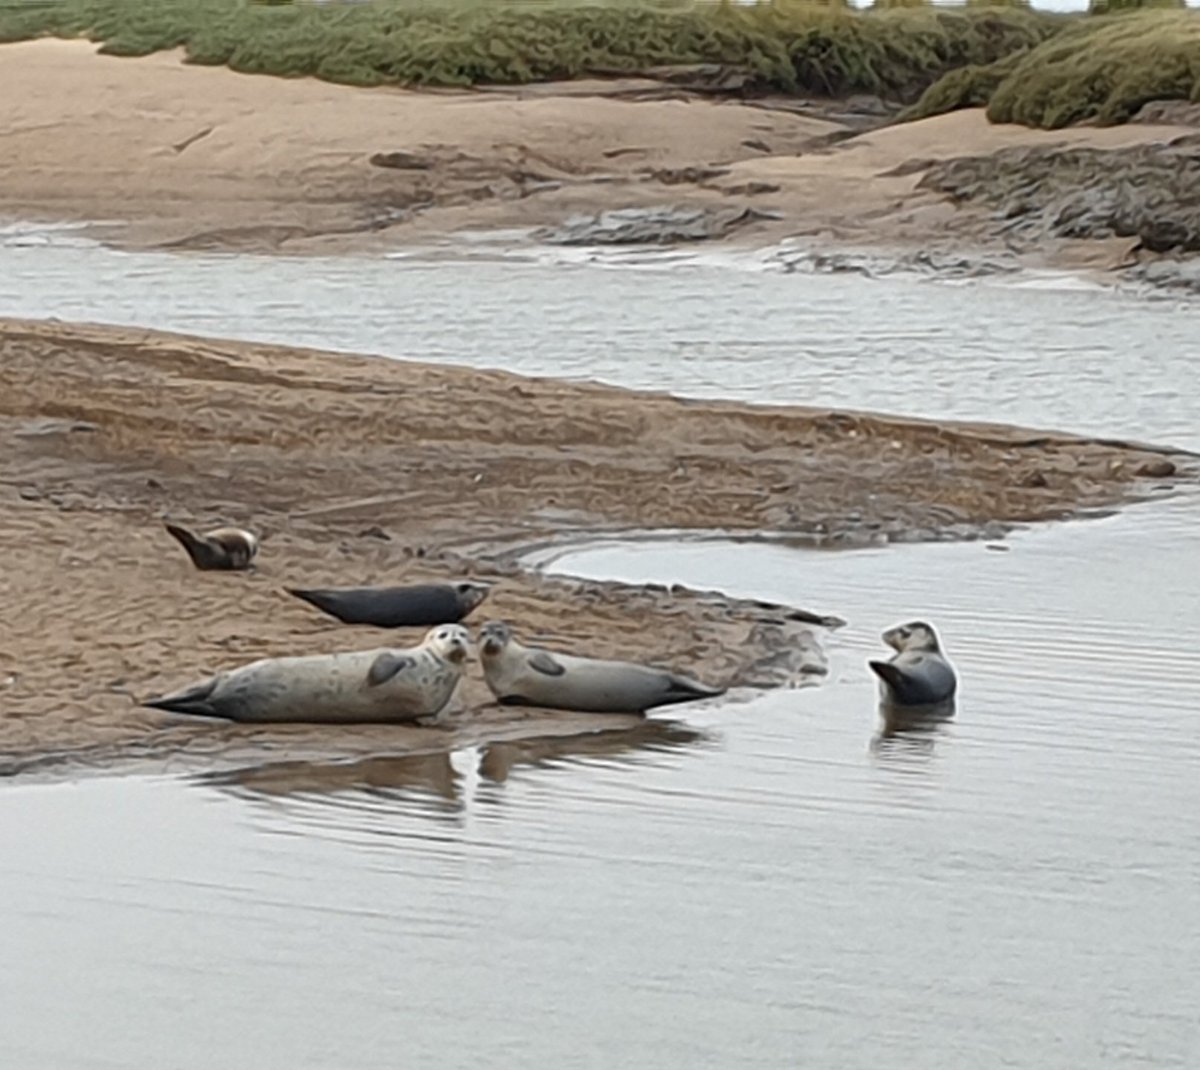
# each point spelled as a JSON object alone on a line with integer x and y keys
{"x": 1109, "y": 7}
{"x": 1103, "y": 69}
{"x": 788, "y": 45}
{"x": 971, "y": 86}
{"x": 1026, "y": 66}
{"x": 1099, "y": 69}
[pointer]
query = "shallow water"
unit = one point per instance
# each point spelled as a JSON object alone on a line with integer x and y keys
{"x": 1039, "y": 351}
{"x": 760, "y": 882}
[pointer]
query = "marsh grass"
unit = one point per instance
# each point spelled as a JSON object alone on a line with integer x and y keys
{"x": 971, "y": 86}
{"x": 1103, "y": 69}
{"x": 1098, "y": 69}
{"x": 787, "y": 45}
{"x": 1027, "y": 67}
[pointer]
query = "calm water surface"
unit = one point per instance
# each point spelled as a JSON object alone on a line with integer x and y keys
{"x": 1071, "y": 358}
{"x": 750, "y": 883}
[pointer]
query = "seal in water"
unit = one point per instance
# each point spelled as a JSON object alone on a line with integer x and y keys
{"x": 521, "y": 675}
{"x": 421, "y": 605}
{"x": 918, "y": 673}
{"x": 222, "y": 549}
{"x": 364, "y": 685}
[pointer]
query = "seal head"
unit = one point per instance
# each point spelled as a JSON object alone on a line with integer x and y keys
{"x": 451, "y": 642}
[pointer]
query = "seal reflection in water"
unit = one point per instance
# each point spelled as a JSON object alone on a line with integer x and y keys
{"x": 417, "y": 606}
{"x": 528, "y": 676}
{"x": 382, "y": 685}
{"x": 219, "y": 550}
{"x": 918, "y": 674}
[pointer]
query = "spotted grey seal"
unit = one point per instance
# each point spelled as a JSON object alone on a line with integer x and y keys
{"x": 420, "y": 605}
{"x": 222, "y": 549}
{"x": 363, "y": 685}
{"x": 529, "y": 676}
{"x": 918, "y": 674}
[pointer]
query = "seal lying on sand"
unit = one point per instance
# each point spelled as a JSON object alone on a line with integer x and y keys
{"x": 918, "y": 674}
{"x": 528, "y": 676}
{"x": 364, "y": 685}
{"x": 421, "y": 605}
{"x": 222, "y": 549}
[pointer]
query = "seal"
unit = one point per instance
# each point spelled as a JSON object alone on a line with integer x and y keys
{"x": 918, "y": 674}
{"x": 219, "y": 550}
{"x": 384, "y": 685}
{"x": 528, "y": 676}
{"x": 418, "y": 606}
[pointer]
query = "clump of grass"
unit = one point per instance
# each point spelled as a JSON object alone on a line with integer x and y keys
{"x": 1108, "y": 7}
{"x": 967, "y": 87}
{"x": 1100, "y": 69}
{"x": 1103, "y": 69}
{"x": 788, "y": 45}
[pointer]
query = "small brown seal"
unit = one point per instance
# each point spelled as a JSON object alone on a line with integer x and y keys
{"x": 219, "y": 550}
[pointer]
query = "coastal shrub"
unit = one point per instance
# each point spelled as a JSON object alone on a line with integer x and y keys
{"x": 1108, "y": 7}
{"x": 1103, "y": 69}
{"x": 791, "y": 45}
{"x": 967, "y": 87}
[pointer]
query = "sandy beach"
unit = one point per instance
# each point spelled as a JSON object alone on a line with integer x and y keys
{"x": 187, "y": 157}
{"x": 362, "y": 469}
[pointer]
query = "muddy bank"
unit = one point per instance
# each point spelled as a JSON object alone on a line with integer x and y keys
{"x": 1147, "y": 194}
{"x": 359, "y": 470}
{"x": 234, "y": 162}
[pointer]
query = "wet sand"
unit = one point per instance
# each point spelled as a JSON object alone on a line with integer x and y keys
{"x": 189, "y": 157}
{"x": 360, "y": 469}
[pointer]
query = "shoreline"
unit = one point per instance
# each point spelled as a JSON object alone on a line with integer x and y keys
{"x": 219, "y": 161}
{"x": 358, "y": 469}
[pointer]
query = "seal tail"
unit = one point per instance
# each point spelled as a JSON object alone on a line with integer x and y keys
{"x": 197, "y": 549}
{"x": 195, "y": 700}
{"x": 325, "y": 601}
{"x": 684, "y": 689}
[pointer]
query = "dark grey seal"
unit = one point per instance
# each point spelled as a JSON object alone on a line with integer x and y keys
{"x": 421, "y": 605}
{"x": 219, "y": 550}
{"x": 918, "y": 674}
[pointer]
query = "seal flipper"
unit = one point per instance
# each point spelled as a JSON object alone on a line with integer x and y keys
{"x": 387, "y": 665}
{"x": 200, "y": 551}
{"x": 545, "y": 664}
{"x": 195, "y": 701}
{"x": 894, "y": 677}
